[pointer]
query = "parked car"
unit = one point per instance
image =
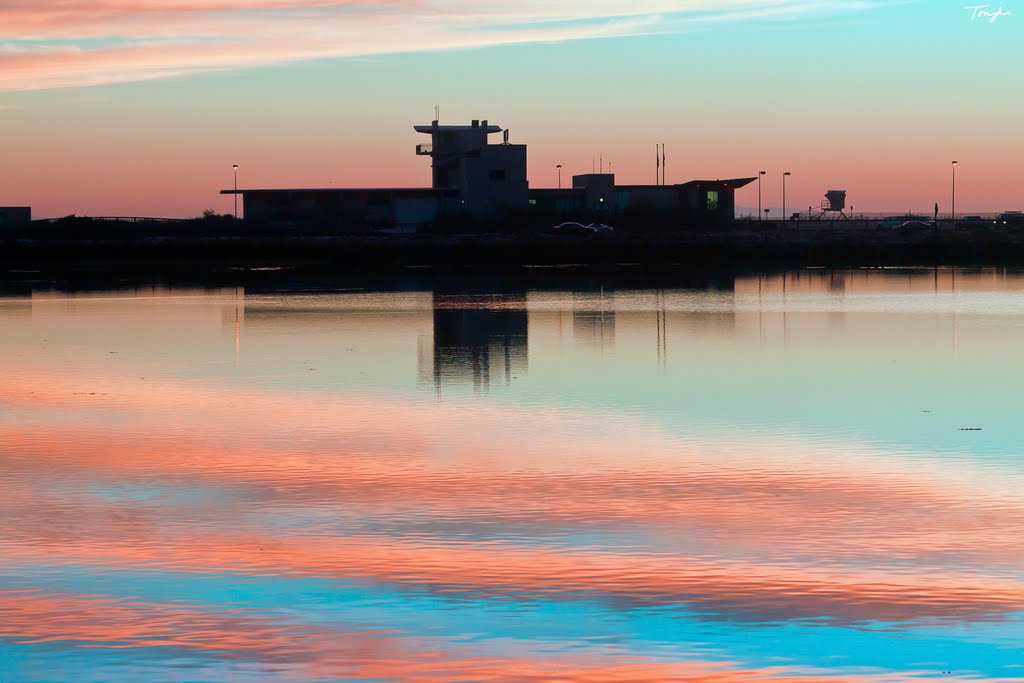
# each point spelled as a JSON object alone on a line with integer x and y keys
{"x": 916, "y": 225}
{"x": 1010, "y": 218}
{"x": 601, "y": 227}
{"x": 908, "y": 222}
{"x": 573, "y": 228}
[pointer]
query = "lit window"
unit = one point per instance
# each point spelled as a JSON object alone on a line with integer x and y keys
{"x": 712, "y": 200}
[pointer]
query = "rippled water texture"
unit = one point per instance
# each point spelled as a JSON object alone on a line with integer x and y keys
{"x": 810, "y": 477}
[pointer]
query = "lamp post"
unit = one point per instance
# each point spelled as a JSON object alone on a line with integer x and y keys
{"x": 559, "y": 168}
{"x": 234, "y": 167}
{"x": 953, "y": 205}
{"x": 784, "y": 194}
{"x": 760, "y": 173}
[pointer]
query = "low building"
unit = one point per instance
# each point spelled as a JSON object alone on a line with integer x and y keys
{"x": 350, "y": 210}
{"x": 595, "y": 196}
{"x": 479, "y": 185}
{"x": 15, "y": 215}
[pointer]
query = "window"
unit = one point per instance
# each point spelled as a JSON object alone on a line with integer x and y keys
{"x": 712, "y": 204}
{"x": 498, "y": 175}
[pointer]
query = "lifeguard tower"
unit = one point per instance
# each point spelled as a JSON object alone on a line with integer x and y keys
{"x": 833, "y": 203}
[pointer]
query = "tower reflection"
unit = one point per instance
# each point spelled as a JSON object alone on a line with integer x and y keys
{"x": 477, "y": 339}
{"x": 593, "y": 320}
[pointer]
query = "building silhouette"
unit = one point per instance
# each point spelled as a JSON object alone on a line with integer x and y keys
{"x": 479, "y": 185}
{"x": 487, "y": 178}
{"x": 15, "y": 215}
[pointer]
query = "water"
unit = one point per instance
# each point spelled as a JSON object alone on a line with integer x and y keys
{"x": 809, "y": 477}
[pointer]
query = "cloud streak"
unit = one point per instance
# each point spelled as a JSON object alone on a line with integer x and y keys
{"x": 94, "y": 42}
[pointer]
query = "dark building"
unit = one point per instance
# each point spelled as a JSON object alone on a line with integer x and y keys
{"x": 477, "y": 185}
{"x": 351, "y": 210}
{"x": 489, "y": 179}
{"x": 596, "y": 196}
{"x": 15, "y": 215}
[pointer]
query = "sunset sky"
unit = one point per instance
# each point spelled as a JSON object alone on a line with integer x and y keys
{"x": 140, "y": 107}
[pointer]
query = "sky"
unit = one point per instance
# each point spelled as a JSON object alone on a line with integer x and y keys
{"x": 140, "y": 108}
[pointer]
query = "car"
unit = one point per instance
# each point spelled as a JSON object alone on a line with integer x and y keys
{"x": 915, "y": 225}
{"x": 600, "y": 227}
{"x": 908, "y": 222}
{"x": 1010, "y": 218}
{"x": 890, "y": 223}
{"x": 572, "y": 228}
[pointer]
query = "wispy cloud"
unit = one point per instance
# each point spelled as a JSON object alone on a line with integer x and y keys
{"x": 93, "y": 42}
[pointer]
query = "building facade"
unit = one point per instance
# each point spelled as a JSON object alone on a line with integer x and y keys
{"x": 15, "y": 215}
{"x": 489, "y": 178}
{"x": 355, "y": 210}
{"x": 477, "y": 185}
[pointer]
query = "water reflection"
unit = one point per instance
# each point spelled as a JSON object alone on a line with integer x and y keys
{"x": 759, "y": 482}
{"x": 476, "y": 338}
{"x": 593, "y": 320}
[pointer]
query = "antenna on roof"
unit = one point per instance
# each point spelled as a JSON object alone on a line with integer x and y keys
{"x": 437, "y": 112}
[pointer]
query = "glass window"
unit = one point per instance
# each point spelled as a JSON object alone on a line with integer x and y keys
{"x": 712, "y": 200}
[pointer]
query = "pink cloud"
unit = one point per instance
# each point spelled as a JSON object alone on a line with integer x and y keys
{"x": 108, "y": 41}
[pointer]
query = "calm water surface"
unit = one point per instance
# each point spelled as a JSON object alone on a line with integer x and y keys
{"x": 810, "y": 477}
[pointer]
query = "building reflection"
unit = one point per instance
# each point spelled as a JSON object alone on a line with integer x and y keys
{"x": 477, "y": 340}
{"x": 593, "y": 320}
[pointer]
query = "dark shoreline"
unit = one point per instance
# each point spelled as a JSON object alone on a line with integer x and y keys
{"x": 195, "y": 257}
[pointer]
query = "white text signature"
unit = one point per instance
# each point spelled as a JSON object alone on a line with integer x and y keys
{"x": 982, "y": 12}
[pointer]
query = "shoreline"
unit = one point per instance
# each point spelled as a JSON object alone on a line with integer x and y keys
{"x": 775, "y": 246}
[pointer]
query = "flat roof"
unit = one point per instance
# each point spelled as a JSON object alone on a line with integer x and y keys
{"x": 733, "y": 182}
{"x": 454, "y": 129}
{"x": 340, "y": 190}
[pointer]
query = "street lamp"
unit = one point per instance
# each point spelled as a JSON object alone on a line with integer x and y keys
{"x": 784, "y": 194}
{"x": 234, "y": 167}
{"x": 761, "y": 173}
{"x": 559, "y": 167}
{"x": 954, "y": 192}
